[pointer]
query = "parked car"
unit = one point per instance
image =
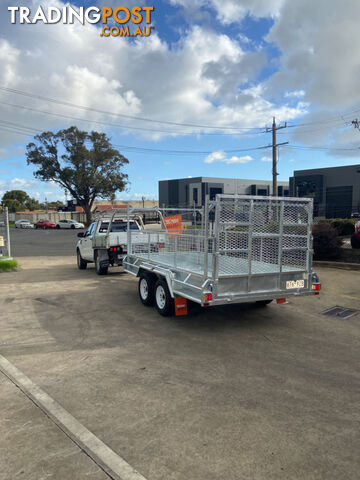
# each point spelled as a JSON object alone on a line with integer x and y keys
{"x": 23, "y": 224}
{"x": 355, "y": 237}
{"x": 45, "y": 224}
{"x": 69, "y": 224}
{"x": 355, "y": 215}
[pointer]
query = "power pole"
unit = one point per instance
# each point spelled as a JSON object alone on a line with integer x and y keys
{"x": 274, "y": 129}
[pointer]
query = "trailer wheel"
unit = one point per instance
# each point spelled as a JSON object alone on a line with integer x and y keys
{"x": 354, "y": 241}
{"x": 99, "y": 269}
{"x": 81, "y": 263}
{"x": 146, "y": 288}
{"x": 263, "y": 303}
{"x": 163, "y": 301}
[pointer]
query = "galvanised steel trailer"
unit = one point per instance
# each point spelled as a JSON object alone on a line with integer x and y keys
{"x": 236, "y": 249}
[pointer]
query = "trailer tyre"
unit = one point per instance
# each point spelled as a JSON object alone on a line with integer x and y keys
{"x": 99, "y": 269}
{"x": 146, "y": 288}
{"x": 163, "y": 301}
{"x": 263, "y": 303}
{"x": 354, "y": 241}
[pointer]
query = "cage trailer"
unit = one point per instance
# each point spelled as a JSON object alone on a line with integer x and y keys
{"x": 235, "y": 249}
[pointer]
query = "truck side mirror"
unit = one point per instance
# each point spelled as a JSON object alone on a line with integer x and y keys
{"x": 81, "y": 235}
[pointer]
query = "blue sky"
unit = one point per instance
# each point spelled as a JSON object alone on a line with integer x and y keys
{"x": 224, "y": 64}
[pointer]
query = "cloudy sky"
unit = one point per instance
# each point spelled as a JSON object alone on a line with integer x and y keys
{"x": 195, "y": 97}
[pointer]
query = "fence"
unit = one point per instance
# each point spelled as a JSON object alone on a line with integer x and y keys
{"x": 237, "y": 236}
{"x": 34, "y": 217}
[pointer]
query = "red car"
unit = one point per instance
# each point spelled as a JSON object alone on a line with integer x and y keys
{"x": 45, "y": 224}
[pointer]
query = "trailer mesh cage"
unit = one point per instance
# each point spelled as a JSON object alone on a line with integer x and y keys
{"x": 232, "y": 236}
{"x": 257, "y": 235}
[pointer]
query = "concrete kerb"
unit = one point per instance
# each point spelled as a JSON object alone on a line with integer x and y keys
{"x": 109, "y": 461}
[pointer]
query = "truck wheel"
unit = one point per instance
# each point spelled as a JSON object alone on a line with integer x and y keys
{"x": 263, "y": 303}
{"x": 99, "y": 269}
{"x": 146, "y": 288}
{"x": 163, "y": 301}
{"x": 81, "y": 263}
{"x": 354, "y": 241}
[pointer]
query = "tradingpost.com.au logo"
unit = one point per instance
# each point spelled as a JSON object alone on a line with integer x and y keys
{"x": 119, "y": 18}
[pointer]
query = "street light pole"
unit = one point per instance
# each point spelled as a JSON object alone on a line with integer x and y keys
{"x": 8, "y": 245}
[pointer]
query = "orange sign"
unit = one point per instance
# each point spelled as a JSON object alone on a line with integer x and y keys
{"x": 173, "y": 224}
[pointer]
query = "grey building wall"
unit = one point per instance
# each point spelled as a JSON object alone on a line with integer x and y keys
{"x": 185, "y": 192}
{"x": 336, "y": 190}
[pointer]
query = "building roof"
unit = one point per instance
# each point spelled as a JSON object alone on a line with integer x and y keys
{"x": 102, "y": 208}
{"x": 244, "y": 181}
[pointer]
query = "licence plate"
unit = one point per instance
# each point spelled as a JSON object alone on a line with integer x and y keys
{"x": 295, "y": 284}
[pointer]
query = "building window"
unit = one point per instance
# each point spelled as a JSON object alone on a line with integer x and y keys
{"x": 214, "y": 191}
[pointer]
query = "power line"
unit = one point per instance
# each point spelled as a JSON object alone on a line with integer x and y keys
{"x": 131, "y": 117}
{"x": 306, "y": 147}
{"x": 10, "y": 126}
{"x": 125, "y": 127}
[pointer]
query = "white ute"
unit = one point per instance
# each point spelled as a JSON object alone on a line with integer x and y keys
{"x": 105, "y": 241}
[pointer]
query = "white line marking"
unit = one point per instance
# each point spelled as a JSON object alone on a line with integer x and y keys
{"x": 115, "y": 466}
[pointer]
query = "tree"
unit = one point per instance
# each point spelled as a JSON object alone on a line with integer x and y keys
{"x": 87, "y": 173}
{"x": 17, "y": 200}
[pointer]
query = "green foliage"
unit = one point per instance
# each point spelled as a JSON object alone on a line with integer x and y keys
{"x": 87, "y": 173}
{"x": 344, "y": 226}
{"x": 327, "y": 242}
{"x": 7, "y": 264}
{"x": 17, "y": 200}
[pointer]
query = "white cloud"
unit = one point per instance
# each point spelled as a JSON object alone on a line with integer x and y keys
{"x": 215, "y": 157}
{"x": 137, "y": 196}
{"x": 220, "y": 156}
{"x": 231, "y": 11}
{"x": 17, "y": 184}
{"x": 295, "y": 94}
{"x": 266, "y": 159}
{"x": 320, "y": 50}
{"x": 200, "y": 79}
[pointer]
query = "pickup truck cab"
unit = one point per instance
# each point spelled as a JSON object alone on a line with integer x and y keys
{"x": 104, "y": 243}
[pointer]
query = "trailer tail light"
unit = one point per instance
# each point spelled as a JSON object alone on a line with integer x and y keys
{"x": 208, "y": 297}
{"x": 316, "y": 287}
{"x": 280, "y": 300}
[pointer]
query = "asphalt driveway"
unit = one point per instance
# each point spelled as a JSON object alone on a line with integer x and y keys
{"x": 232, "y": 392}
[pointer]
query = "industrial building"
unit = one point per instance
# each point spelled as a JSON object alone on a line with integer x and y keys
{"x": 190, "y": 192}
{"x": 335, "y": 190}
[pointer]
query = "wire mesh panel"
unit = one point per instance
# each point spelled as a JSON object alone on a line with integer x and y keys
{"x": 176, "y": 241}
{"x": 257, "y": 235}
{"x": 236, "y": 236}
